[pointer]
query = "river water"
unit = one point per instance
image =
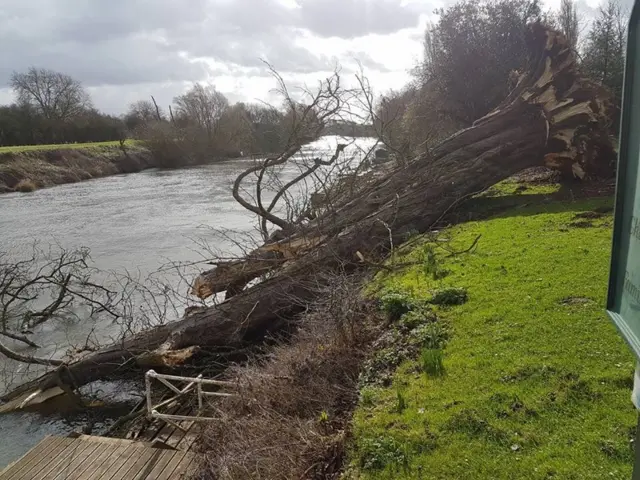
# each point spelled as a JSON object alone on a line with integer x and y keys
{"x": 136, "y": 222}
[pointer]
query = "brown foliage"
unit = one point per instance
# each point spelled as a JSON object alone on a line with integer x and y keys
{"x": 25, "y": 185}
{"x": 289, "y": 419}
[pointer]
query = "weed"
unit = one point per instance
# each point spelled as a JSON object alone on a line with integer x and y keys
{"x": 617, "y": 450}
{"x": 430, "y": 264}
{"x": 432, "y": 362}
{"x": 367, "y": 397}
{"x": 379, "y": 368}
{"x": 449, "y": 296}
{"x": 432, "y": 335}
{"x": 396, "y": 304}
{"x": 416, "y": 318}
{"x": 324, "y": 417}
{"x": 578, "y": 390}
{"x": 401, "y": 402}
{"x": 381, "y": 452}
{"x": 575, "y": 301}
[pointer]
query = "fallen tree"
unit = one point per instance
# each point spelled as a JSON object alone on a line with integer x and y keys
{"x": 553, "y": 116}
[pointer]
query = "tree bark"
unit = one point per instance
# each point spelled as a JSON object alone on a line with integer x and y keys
{"x": 552, "y": 116}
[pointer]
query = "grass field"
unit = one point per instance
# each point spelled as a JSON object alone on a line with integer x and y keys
{"x": 63, "y": 146}
{"x": 536, "y": 381}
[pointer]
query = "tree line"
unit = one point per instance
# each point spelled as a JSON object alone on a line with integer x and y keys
{"x": 473, "y": 57}
{"x": 54, "y": 108}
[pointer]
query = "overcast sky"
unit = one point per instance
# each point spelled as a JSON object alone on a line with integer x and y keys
{"x": 126, "y": 50}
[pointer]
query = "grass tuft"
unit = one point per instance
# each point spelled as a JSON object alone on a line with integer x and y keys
{"x": 26, "y": 185}
{"x": 432, "y": 362}
{"x": 449, "y": 296}
{"x": 401, "y": 402}
{"x": 396, "y": 304}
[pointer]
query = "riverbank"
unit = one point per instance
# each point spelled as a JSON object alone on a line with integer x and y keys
{"x": 487, "y": 356}
{"x": 27, "y": 169}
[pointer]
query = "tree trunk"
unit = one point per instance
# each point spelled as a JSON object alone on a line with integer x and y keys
{"x": 552, "y": 115}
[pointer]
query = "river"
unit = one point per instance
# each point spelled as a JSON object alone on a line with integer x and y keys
{"x": 136, "y": 222}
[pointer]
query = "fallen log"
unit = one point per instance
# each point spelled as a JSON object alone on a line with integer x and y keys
{"x": 553, "y": 116}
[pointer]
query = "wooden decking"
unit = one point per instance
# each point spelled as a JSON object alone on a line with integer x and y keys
{"x": 179, "y": 434}
{"x": 93, "y": 458}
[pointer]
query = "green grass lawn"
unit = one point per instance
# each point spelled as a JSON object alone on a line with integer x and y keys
{"x": 63, "y": 146}
{"x": 537, "y": 380}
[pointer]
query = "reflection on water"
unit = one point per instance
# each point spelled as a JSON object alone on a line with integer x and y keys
{"x": 136, "y": 222}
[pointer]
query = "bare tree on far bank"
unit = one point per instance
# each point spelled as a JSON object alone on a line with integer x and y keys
{"x": 55, "y": 95}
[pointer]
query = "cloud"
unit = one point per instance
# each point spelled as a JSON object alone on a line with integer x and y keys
{"x": 128, "y": 49}
{"x": 356, "y": 18}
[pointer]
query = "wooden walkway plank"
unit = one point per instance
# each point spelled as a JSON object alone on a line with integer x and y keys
{"x": 113, "y": 457}
{"x": 26, "y": 461}
{"x": 185, "y": 469}
{"x": 166, "y": 473}
{"x": 40, "y": 463}
{"x": 78, "y": 461}
{"x": 115, "y": 464}
{"x": 169, "y": 432}
{"x": 152, "y": 469}
{"x": 95, "y": 458}
{"x": 190, "y": 437}
{"x": 192, "y": 469}
{"x": 134, "y": 464}
{"x": 100, "y": 456}
{"x": 63, "y": 462}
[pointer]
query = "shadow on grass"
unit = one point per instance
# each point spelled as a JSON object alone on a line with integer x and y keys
{"x": 480, "y": 208}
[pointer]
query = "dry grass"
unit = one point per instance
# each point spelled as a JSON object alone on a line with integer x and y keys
{"x": 25, "y": 185}
{"x": 289, "y": 420}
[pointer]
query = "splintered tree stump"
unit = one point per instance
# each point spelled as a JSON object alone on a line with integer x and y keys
{"x": 553, "y": 116}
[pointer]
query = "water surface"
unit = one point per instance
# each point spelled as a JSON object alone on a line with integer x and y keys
{"x": 136, "y": 222}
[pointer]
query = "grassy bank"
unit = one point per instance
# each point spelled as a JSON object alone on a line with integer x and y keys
{"x": 536, "y": 381}
{"x": 31, "y": 167}
{"x": 65, "y": 146}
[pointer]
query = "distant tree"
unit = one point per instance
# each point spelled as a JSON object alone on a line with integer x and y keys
{"x": 93, "y": 126}
{"x": 389, "y": 121}
{"x": 235, "y": 131}
{"x": 300, "y": 123}
{"x": 56, "y": 96}
{"x": 604, "y": 54}
{"x": 202, "y": 106}
{"x": 141, "y": 113}
{"x": 569, "y": 22}
{"x": 471, "y": 51}
{"x": 267, "y": 135}
{"x": 20, "y": 125}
